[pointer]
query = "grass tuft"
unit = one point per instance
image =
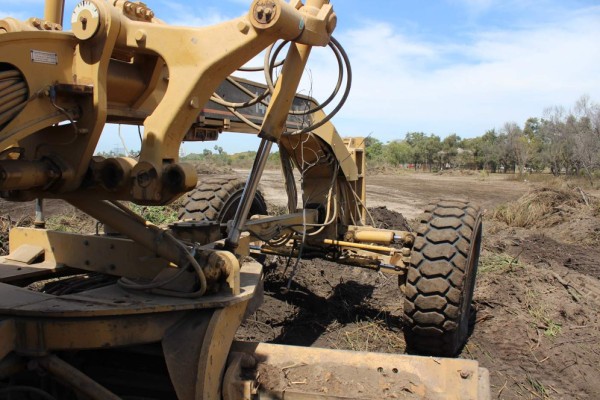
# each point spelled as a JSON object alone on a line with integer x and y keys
{"x": 374, "y": 335}
{"x": 541, "y": 316}
{"x": 158, "y": 215}
{"x": 497, "y": 263}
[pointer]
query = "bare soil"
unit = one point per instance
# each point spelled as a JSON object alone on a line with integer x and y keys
{"x": 536, "y": 311}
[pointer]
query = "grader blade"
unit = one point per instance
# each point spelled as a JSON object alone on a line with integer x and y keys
{"x": 291, "y": 372}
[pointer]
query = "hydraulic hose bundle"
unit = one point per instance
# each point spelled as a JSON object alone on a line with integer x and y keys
{"x": 270, "y": 64}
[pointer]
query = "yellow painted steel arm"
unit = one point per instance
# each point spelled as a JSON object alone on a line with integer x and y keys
{"x": 110, "y": 40}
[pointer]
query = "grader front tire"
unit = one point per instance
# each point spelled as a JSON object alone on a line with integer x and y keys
{"x": 441, "y": 278}
{"x": 216, "y": 199}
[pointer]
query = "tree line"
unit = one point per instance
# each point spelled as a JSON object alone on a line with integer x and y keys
{"x": 561, "y": 141}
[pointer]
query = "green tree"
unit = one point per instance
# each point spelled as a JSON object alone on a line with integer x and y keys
{"x": 433, "y": 146}
{"x": 374, "y": 149}
{"x": 418, "y": 144}
{"x": 532, "y": 131}
{"x": 490, "y": 150}
{"x": 450, "y": 146}
{"x": 474, "y": 146}
{"x": 398, "y": 152}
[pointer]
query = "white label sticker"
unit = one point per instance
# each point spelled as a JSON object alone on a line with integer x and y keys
{"x": 44, "y": 57}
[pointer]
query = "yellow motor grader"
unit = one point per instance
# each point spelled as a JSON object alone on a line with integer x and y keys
{"x": 144, "y": 312}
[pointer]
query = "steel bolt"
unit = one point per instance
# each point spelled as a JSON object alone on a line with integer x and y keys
{"x": 243, "y": 27}
{"x": 194, "y": 103}
{"x": 465, "y": 374}
{"x": 140, "y": 36}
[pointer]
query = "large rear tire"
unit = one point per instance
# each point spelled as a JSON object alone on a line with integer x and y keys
{"x": 441, "y": 278}
{"x": 216, "y": 199}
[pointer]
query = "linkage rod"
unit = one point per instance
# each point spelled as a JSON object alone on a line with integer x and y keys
{"x": 241, "y": 215}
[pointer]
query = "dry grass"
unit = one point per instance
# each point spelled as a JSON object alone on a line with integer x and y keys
{"x": 546, "y": 179}
{"x": 497, "y": 263}
{"x": 6, "y": 223}
{"x": 541, "y": 315}
{"x": 541, "y": 207}
{"x": 373, "y": 334}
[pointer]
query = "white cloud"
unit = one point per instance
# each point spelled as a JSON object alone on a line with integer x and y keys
{"x": 402, "y": 84}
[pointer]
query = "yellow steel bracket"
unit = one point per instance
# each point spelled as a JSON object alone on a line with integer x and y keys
{"x": 97, "y": 32}
{"x": 319, "y": 21}
{"x": 198, "y": 61}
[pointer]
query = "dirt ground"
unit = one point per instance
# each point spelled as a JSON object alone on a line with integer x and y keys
{"x": 408, "y": 192}
{"x": 536, "y": 311}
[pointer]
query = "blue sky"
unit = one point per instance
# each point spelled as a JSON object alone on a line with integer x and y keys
{"x": 438, "y": 66}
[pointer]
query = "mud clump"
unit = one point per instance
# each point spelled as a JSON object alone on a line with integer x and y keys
{"x": 211, "y": 168}
{"x": 388, "y": 219}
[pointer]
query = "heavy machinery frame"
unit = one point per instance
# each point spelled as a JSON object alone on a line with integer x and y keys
{"x": 182, "y": 292}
